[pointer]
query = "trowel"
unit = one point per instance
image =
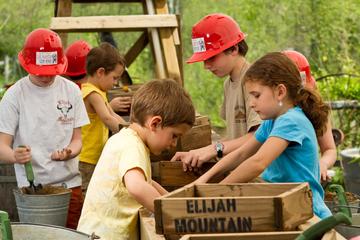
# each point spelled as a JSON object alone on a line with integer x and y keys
{"x": 30, "y": 177}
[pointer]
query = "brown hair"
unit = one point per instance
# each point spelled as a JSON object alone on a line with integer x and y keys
{"x": 276, "y": 68}
{"x": 104, "y": 56}
{"x": 242, "y": 48}
{"x": 164, "y": 98}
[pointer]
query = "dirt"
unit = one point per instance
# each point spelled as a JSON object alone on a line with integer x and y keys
{"x": 45, "y": 190}
{"x": 350, "y": 197}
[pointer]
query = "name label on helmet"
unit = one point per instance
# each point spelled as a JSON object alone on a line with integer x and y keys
{"x": 46, "y": 58}
{"x": 198, "y": 45}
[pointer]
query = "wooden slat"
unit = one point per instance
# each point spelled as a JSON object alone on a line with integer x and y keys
{"x": 108, "y": 1}
{"x": 171, "y": 174}
{"x": 136, "y": 49}
{"x": 168, "y": 44}
{"x": 147, "y": 226}
{"x": 112, "y": 23}
{"x": 290, "y": 235}
{"x": 63, "y": 9}
{"x": 295, "y": 202}
{"x": 244, "y": 189}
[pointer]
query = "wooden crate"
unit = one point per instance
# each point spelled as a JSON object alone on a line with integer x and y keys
{"x": 147, "y": 232}
{"x": 198, "y": 136}
{"x": 218, "y": 208}
{"x": 125, "y": 91}
{"x": 171, "y": 175}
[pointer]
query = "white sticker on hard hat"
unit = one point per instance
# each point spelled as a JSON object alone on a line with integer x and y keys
{"x": 46, "y": 58}
{"x": 198, "y": 45}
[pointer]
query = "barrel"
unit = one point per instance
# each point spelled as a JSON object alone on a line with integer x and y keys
{"x": 44, "y": 209}
{"x": 7, "y": 184}
{"x": 351, "y": 169}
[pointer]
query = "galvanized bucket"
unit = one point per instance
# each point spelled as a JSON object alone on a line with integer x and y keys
{"x": 21, "y": 231}
{"x": 47, "y": 209}
{"x": 350, "y": 231}
{"x": 351, "y": 170}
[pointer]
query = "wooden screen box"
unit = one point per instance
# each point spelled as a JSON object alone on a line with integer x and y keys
{"x": 219, "y": 208}
{"x": 124, "y": 91}
{"x": 171, "y": 175}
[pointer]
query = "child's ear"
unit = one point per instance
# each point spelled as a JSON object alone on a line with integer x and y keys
{"x": 100, "y": 71}
{"x": 155, "y": 122}
{"x": 281, "y": 91}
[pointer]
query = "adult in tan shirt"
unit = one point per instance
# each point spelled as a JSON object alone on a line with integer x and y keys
{"x": 218, "y": 42}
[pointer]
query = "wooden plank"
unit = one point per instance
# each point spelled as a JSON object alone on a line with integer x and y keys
{"x": 290, "y": 235}
{"x": 107, "y": 1}
{"x": 197, "y": 137}
{"x": 244, "y": 189}
{"x": 294, "y": 202}
{"x": 112, "y": 23}
{"x": 147, "y": 226}
{"x": 168, "y": 44}
{"x": 230, "y": 210}
{"x": 171, "y": 174}
{"x": 136, "y": 49}
{"x": 63, "y": 9}
{"x": 217, "y": 214}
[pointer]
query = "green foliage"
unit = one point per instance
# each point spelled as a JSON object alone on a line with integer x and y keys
{"x": 339, "y": 176}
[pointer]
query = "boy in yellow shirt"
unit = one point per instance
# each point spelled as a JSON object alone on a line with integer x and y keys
{"x": 161, "y": 112}
{"x": 104, "y": 66}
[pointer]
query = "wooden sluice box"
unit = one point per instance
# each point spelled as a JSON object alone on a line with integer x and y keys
{"x": 248, "y": 207}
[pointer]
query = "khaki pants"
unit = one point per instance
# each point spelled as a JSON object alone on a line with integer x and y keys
{"x": 86, "y": 170}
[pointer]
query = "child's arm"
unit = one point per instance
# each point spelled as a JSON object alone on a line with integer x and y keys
{"x": 120, "y": 119}
{"x": 159, "y": 188}
{"x": 72, "y": 150}
{"x": 328, "y": 151}
{"x": 143, "y": 192}
{"x": 195, "y": 158}
{"x": 231, "y": 160}
{"x": 102, "y": 110}
{"x": 8, "y": 155}
{"x": 256, "y": 164}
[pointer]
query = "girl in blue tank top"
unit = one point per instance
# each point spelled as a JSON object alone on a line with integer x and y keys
{"x": 284, "y": 147}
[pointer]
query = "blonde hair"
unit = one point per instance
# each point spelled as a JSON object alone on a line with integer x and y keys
{"x": 276, "y": 68}
{"x": 164, "y": 98}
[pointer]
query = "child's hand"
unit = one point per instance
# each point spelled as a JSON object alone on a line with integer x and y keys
{"x": 61, "y": 155}
{"x": 22, "y": 154}
{"x": 121, "y": 104}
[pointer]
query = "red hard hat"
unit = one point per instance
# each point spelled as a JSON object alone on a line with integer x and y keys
{"x": 76, "y": 55}
{"x": 213, "y": 34}
{"x": 43, "y": 53}
{"x": 303, "y": 66}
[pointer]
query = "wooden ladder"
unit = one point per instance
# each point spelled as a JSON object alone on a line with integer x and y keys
{"x": 159, "y": 28}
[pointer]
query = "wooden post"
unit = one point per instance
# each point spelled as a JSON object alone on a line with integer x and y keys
{"x": 63, "y": 9}
{"x": 168, "y": 44}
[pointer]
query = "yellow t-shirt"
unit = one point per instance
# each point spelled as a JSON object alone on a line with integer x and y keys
{"x": 109, "y": 210}
{"x": 239, "y": 116}
{"x": 95, "y": 134}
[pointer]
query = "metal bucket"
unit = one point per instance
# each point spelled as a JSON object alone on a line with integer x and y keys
{"x": 350, "y": 231}
{"x": 47, "y": 209}
{"x": 21, "y": 231}
{"x": 351, "y": 170}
